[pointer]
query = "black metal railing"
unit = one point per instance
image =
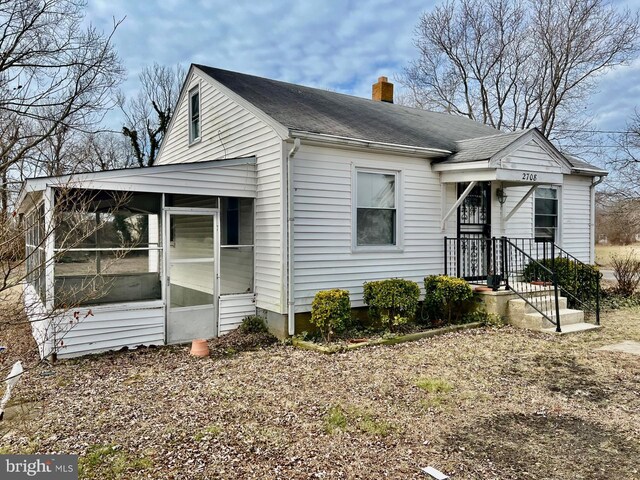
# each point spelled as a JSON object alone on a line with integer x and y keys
{"x": 542, "y": 293}
{"x": 578, "y": 281}
{"x": 527, "y": 266}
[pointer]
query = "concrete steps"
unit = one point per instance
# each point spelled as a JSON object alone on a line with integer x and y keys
{"x": 523, "y": 315}
{"x": 572, "y": 328}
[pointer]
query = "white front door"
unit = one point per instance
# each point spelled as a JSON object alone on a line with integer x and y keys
{"x": 191, "y": 274}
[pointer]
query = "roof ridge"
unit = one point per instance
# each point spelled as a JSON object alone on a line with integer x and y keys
{"x": 501, "y": 134}
{"x": 324, "y": 90}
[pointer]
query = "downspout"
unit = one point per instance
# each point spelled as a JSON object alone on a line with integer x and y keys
{"x": 291, "y": 302}
{"x": 592, "y": 220}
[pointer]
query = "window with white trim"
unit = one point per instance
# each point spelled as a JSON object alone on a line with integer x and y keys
{"x": 376, "y": 216}
{"x": 194, "y": 114}
{"x": 546, "y": 214}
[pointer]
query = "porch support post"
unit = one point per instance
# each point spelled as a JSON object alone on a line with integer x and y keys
{"x": 458, "y": 203}
{"x": 520, "y": 203}
{"x": 49, "y": 245}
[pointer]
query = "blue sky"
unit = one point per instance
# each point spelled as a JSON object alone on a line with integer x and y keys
{"x": 339, "y": 45}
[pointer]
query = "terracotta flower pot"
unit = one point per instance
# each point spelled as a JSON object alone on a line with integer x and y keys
{"x": 483, "y": 289}
{"x": 199, "y": 348}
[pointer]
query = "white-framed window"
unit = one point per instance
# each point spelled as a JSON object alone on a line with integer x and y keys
{"x": 376, "y": 210}
{"x": 546, "y": 214}
{"x": 194, "y": 114}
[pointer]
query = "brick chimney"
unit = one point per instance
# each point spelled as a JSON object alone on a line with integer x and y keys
{"x": 382, "y": 91}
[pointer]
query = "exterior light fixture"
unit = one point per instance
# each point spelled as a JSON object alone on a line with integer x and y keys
{"x": 501, "y": 195}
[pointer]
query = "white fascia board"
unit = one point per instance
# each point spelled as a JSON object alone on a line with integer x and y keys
{"x": 589, "y": 172}
{"x": 281, "y": 130}
{"x": 457, "y": 167}
{"x": 97, "y": 180}
{"x": 321, "y": 138}
{"x": 468, "y": 176}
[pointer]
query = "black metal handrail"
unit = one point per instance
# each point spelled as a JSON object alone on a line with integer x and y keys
{"x": 578, "y": 283}
{"x": 516, "y": 262}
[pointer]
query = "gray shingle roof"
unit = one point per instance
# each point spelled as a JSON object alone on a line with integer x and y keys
{"x": 320, "y": 111}
{"x": 330, "y": 113}
{"x": 483, "y": 148}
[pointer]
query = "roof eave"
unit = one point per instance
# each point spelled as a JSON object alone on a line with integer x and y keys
{"x": 412, "y": 150}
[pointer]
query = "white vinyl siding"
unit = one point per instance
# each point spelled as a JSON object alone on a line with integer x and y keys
{"x": 110, "y": 327}
{"x": 520, "y": 225}
{"x": 228, "y": 131}
{"x": 576, "y": 217}
{"x": 531, "y": 157}
{"x": 323, "y": 253}
{"x": 233, "y": 308}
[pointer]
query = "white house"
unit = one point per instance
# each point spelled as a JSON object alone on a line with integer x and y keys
{"x": 266, "y": 192}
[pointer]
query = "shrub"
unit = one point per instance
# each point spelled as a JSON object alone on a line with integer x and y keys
{"x": 253, "y": 324}
{"x": 578, "y": 281}
{"x": 393, "y": 300}
{"x": 331, "y": 311}
{"x": 446, "y": 298}
{"x": 626, "y": 270}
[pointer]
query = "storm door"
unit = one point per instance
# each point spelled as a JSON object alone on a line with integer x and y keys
{"x": 191, "y": 274}
{"x": 474, "y": 232}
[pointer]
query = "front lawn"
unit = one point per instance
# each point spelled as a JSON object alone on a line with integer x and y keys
{"x": 482, "y": 403}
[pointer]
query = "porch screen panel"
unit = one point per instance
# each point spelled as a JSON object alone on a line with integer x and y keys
{"x": 236, "y": 245}
{"x": 108, "y": 256}
{"x": 35, "y": 251}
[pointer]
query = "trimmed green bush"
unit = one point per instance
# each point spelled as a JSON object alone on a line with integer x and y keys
{"x": 393, "y": 300}
{"x": 331, "y": 311}
{"x": 578, "y": 281}
{"x": 447, "y": 299}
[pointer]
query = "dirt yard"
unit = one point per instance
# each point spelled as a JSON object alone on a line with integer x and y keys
{"x": 482, "y": 404}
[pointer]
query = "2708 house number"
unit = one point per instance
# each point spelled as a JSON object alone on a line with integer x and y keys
{"x": 532, "y": 177}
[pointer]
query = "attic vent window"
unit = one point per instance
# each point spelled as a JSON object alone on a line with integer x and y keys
{"x": 194, "y": 115}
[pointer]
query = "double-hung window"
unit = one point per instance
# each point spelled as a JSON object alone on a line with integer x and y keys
{"x": 194, "y": 115}
{"x": 546, "y": 214}
{"x": 376, "y": 216}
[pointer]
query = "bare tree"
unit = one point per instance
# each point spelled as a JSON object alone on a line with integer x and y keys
{"x": 517, "y": 64}
{"x": 623, "y": 183}
{"x": 55, "y": 75}
{"x": 149, "y": 113}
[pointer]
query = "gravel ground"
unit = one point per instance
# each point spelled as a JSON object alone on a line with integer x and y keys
{"x": 480, "y": 404}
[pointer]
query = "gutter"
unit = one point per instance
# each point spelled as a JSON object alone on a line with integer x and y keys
{"x": 592, "y": 219}
{"x": 358, "y": 142}
{"x": 291, "y": 302}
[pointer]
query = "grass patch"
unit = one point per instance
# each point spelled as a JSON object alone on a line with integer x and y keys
{"x": 605, "y": 252}
{"x": 210, "y": 431}
{"x": 110, "y": 462}
{"x": 434, "y": 385}
{"x": 355, "y": 419}
{"x": 335, "y": 420}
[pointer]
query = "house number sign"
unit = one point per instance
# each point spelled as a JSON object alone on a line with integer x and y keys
{"x": 532, "y": 177}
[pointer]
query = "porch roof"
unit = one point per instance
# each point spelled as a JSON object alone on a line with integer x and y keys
{"x": 523, "y": 157}
{"x": 229, "y": 177}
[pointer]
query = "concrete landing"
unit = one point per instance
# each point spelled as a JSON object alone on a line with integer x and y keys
{"x": 628, "y": 346}
{"x": 572, "y": 328}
